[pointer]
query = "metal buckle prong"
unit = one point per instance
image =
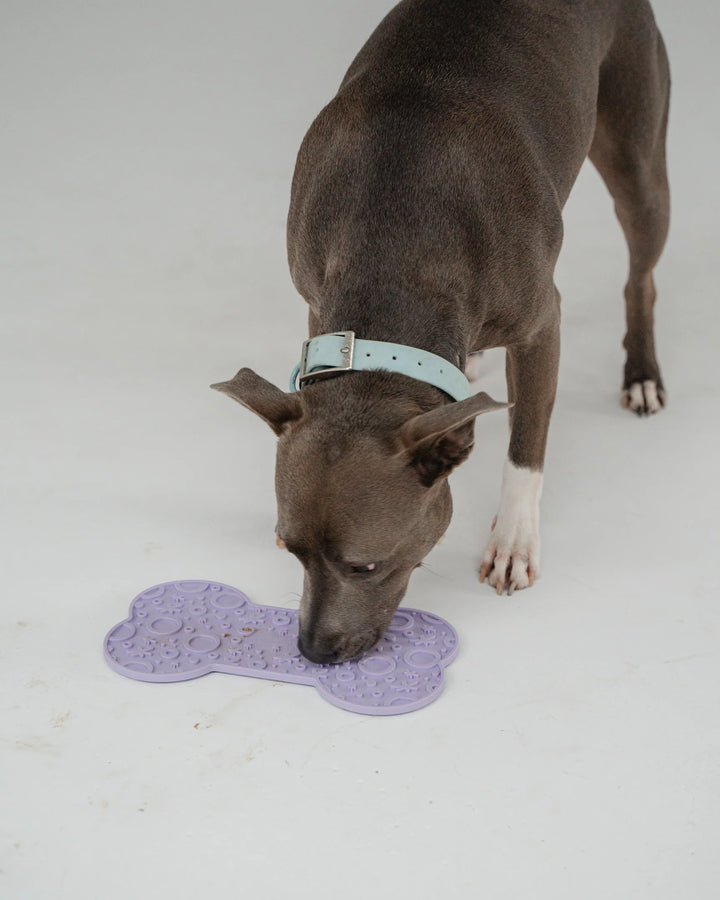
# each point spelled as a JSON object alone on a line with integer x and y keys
{"x": 348, "y": 355}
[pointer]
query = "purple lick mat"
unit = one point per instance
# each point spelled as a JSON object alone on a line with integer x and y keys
{"x": 185, "y": 629}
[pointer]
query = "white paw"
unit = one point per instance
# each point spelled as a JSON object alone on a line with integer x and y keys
{"x": 512, "y": 555}
{"x": 643, "y": 398}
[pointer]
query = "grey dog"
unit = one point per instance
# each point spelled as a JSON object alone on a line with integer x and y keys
{"x": 425, "y": 222}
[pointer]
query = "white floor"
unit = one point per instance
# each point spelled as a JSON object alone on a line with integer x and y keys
{"x": 146, "y": 155}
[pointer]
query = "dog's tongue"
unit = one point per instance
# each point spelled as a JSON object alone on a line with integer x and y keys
{"x": 185, "y": 629}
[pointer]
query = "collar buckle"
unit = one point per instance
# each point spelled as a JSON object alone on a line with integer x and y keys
{"x": 348, "y": 355}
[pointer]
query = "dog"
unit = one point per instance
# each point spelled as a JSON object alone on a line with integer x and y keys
{"x": 425, "y": 222}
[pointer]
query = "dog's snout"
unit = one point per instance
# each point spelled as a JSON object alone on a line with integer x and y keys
{"x": 317, "y": 655}
{"x": 334, "y": 648}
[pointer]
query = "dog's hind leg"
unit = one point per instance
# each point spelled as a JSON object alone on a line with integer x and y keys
{"x": 628, "y": 150}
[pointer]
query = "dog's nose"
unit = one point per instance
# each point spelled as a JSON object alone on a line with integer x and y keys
{"x": 317, "y": 653}
{"x": 335, "y": 648}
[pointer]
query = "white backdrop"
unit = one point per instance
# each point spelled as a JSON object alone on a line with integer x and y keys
{"x": 146, "y": 151}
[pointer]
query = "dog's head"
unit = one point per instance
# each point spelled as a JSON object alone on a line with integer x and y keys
{"x": 361, "y": 483}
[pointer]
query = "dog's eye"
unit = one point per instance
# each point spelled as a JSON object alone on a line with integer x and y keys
{"x": 363, "y": 570}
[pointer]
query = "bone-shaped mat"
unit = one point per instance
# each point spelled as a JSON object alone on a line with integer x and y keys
{"x": 185, "y": 629}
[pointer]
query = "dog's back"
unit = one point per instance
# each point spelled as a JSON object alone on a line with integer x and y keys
{"x": 447, "y": 155}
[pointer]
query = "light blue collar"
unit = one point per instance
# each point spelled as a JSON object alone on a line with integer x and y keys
{"x": 329, "y": 354}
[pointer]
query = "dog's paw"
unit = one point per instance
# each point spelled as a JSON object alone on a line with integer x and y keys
{"x": 512, "y": 555}
{"x": 643, "y": 397}
{"x": 512, "y": 562}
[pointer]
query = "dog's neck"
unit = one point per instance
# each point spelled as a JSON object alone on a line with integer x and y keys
{"x": 397, "y": 313}
{"x": 368, "y": 402}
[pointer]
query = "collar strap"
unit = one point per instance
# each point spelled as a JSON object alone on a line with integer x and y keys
{"x": 330, "y": 354}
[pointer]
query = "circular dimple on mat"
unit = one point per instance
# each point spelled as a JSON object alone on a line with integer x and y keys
{"x": 165, "y": 625}
{"x": 203, "y": 643}
{"x": 401, "y": 621}
{"x": 123, "y": 632}
{"x": 139, "y": 667}
{"x": 228, "y": 601}
{"x": 377, "y": 665}
{"x": 400, "y": 701}
{"x": 154, "y": 592}
{"x": 192, "y": 587}
{"x": 422, "y": 659}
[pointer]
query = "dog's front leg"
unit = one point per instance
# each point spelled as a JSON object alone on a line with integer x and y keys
{"x": 512, "y": 554}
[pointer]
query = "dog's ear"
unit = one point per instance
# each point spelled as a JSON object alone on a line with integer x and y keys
{"x": 276, "y": 407}
{"x": 441, "y": 439}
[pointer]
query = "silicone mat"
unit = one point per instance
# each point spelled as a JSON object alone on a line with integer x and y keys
{"x": 185, "y": 629}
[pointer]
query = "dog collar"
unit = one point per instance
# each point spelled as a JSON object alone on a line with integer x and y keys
{"x": 330, "y": 354}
